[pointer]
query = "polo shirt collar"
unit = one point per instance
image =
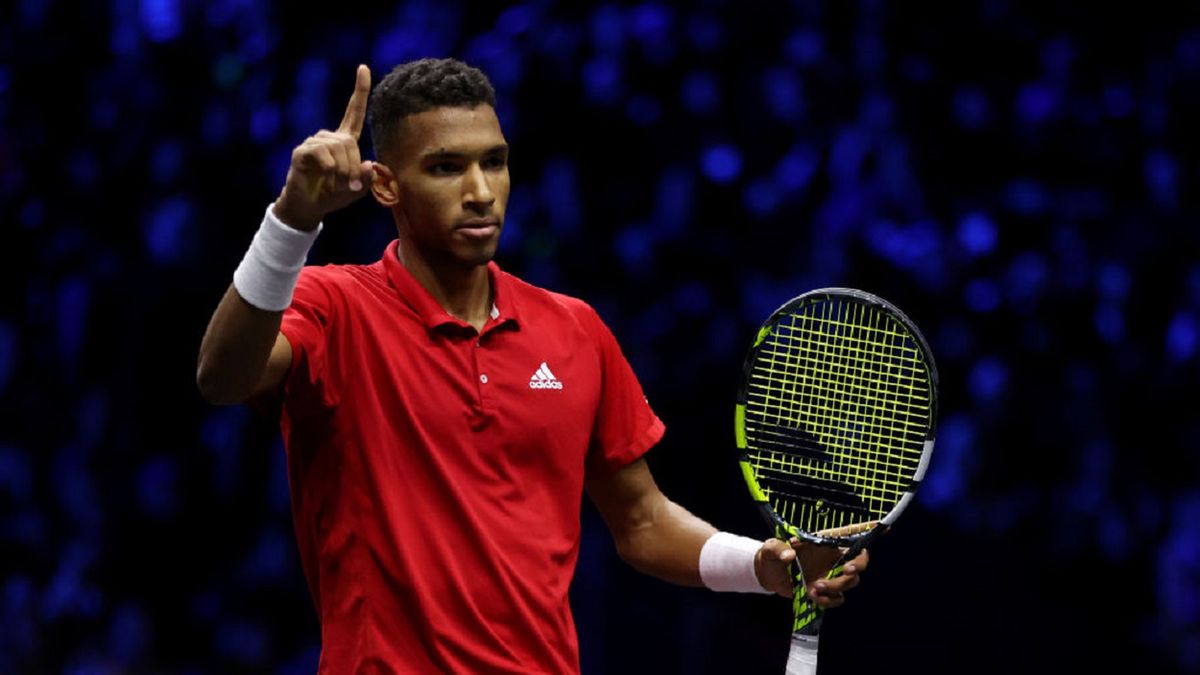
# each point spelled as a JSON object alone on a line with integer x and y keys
{"x": 433, "y": 315}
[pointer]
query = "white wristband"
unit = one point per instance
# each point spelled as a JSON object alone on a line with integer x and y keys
{"x": 727, "y": 564}
{"x": 268, "y": 273}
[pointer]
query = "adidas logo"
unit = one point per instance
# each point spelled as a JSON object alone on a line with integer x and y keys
{"x": 544, "y": 379}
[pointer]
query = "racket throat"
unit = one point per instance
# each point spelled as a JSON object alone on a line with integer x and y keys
{"x": 806, "y": 615}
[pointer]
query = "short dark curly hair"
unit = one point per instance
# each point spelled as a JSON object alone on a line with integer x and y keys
{"x": 417, "y": 86}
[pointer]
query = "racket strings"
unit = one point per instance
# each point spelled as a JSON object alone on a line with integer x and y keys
{"x": 838, "y": 404}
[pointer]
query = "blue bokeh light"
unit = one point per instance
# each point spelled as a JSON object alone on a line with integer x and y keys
{"x": 168, "y": 161}
{"x": 977, "y": 234}
{"x": 74, "y": 301}
{"x": 949, "y": 477}
{"x": 915, "y": 246}
{"x": 988, "y": 379}
{"x": 306, "y": 109}
{"x": 762, "y": 197}
{"x": 1162, "y": 176}
{"x": 519, "y": 19}
{"x": 1113, "y": 281}
{"x": 216, "y": 125}
{"x": 850, "y": 148}
{"x": 157, "y": 487}
{"x": 105, "y": 114}
{"x": 643, "y": 110}
{"x": 130, "y": 633}
{"x": 674, "y": 200}
{"x": 701, "y": 93}
{"x": 652, "y": 25}
{"x": 784, "y": 94}
{"x": 954, "y": 340}
{"x": 1183, "y": 333}
{"x": 1118, "y": 100}
{"x": 797, "y": 168}
{"x": 267, "y": 561}
{"x": 1178, "y": 572}
{"x": 559, "y": 192}
{"x": 9, "y": 356}
{"x": 264, "y": 123}
{"x": 161, "y": 19}
{"x": 1109, "y": 321}
{"x": 16, "y": 474}
{"x": 635, "y": 247}
{"x": 608, "y": 28}
{"x": 602, "y": 80}
{"x": 705, "y": 33}
{"x": 242, "y": 641}
{"x": 804, "y": 47}
{"x": 84, "y": 169}
{"x": 166, "y": 231}
{"x": 1026, "y": 278}
{"x": 222, "y": 433}
{"x": 1037, "y": 102}
{"x": 1026, "y": 197}
{"x": 721, "y": 163}
{"x": 982, "y": 295}
{"x": 32, "y": 214}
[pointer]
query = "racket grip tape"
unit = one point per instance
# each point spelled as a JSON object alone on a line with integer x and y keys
{"x": 802, "y": 658}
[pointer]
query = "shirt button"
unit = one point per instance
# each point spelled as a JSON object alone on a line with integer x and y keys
{"x": 483, "y": 379}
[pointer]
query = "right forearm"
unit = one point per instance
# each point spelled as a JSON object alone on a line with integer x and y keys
{"x": 235, "y": 349}
{"x": 243, "y": 352}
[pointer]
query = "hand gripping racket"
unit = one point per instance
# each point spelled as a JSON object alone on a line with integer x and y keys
{"x": 834, "y": 426}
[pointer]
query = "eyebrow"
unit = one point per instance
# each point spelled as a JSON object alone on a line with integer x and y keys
{"x": 450, "y": 154}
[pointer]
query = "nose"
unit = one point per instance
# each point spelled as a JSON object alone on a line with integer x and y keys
{"x": 477, "y": 191}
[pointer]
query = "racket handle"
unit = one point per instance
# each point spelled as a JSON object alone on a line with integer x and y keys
{"x": 802, "y": 659}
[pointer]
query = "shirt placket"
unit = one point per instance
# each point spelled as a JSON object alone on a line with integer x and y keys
{"x": 484, "y": 377}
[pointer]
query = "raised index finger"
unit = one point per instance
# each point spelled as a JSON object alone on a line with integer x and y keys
{"x": 356, "y": 109}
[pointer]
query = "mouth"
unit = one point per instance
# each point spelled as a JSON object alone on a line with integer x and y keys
{"x": 479, "y": 227}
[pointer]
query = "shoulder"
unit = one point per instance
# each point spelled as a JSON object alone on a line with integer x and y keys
{"x": 340, "y": 275}
{"x": 334, "y": 293}
{"x": 537, "y": 302}
{"x": 571, "y": 319}
{"x": 342, "y": 280}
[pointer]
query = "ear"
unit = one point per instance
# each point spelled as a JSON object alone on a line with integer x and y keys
{"x": 385, "y": 187}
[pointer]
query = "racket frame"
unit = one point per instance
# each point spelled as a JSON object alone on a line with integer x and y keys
{"x": 838, "y": 536}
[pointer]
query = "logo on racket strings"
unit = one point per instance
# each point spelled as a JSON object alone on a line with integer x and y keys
{"x": 544, "y": 379}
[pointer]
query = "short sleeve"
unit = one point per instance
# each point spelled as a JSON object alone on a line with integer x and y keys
{"x": 625, "y": 427}
{"x": 307, "y": 325}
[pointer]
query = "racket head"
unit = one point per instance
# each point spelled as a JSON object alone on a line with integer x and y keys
{"x": 835, "y": 415}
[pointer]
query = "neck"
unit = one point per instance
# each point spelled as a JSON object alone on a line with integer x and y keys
{"x": 464, "y": 292}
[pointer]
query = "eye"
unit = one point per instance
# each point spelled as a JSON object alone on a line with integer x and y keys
{"x": 495, "y": 162}
{"x": 444, "y": 168}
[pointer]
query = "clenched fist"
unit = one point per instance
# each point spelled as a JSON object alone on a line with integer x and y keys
{"x": 327, "y": 173}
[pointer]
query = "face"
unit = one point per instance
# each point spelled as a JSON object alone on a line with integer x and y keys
{"x": 448, "y": 185}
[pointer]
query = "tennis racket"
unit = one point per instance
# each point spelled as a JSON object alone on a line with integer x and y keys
{"x": 834, "y": 428}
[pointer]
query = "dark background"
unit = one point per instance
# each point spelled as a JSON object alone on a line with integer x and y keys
{"x": 1020, "y": 179}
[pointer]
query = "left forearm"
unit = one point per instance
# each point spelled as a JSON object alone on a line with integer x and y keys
{"x": 667, "y": 545}
{"x": 652, "y": 533}
{"x": 660, "y": 538}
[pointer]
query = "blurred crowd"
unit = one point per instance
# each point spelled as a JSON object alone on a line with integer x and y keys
{"x": 1017, "y": 178}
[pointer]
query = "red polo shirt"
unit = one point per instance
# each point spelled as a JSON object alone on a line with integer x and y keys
{"x": 437, "y": 473}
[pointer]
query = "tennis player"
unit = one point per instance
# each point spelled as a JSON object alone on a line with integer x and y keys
{"x": 442, "y": 418}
